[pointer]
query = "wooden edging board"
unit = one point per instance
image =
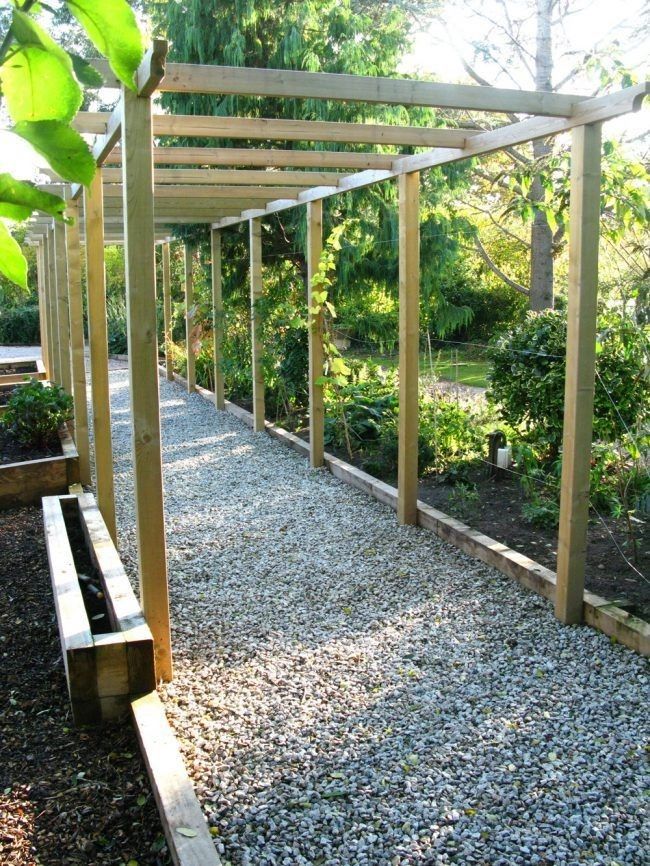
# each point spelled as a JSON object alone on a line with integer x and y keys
{"x": 597, "y": 611}
{"x": 103, "y": 671}
{"x": 186, "y": 831}
{"x": 24, "y": 483}
{"x": 10, "y": 376}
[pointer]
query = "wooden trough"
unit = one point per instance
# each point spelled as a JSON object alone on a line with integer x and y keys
{"x": 25, "y": 482}
{"x": 104, "y": 671}
{"x": 18, "y": 369}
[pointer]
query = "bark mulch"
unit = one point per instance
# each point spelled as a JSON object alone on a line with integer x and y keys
{"x": 67, "y": 796}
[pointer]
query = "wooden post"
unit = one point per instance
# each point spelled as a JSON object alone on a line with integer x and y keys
{"x": 98, "y": 342}
{"x": 139, "y": 239}
{"x": 409, "y": 337}
{"x": 42, "y": 308}
{"x": 315, "y": 331}
{"x": 167, "y": 310}
{"x": 255, "y": 226}
{"x": 63, "y": 311}
{"x": 189, "y": 318}
{"x": 77, "y": 342}
{"x": 580, "y": 372}
{"x": 217, "y": 319}
{"x": 53, "y": 325}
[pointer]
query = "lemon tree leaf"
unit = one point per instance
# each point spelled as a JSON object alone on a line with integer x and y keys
{"x": 113, "y": 30}
{"x": 37, "y": 78}
{"x": 12, "y": 262}
{"x": 62, "y": 146}
{"x": 86, "y": 72}
{"x": 18, "y": 199}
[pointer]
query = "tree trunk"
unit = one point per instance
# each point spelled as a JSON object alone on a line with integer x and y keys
{"x": 541, "y": 236}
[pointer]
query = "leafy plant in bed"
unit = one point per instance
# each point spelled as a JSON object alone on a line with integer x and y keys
{"x": 29, "y": 428}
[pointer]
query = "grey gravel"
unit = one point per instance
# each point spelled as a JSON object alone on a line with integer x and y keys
{"x": 352, "y": 693}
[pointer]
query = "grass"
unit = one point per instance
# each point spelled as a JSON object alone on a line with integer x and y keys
{"x": 450, "y": 364}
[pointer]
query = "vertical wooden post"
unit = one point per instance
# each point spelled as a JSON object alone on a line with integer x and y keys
{"x": 77, "y": 341}
{"x": 580, "y": 372}
{"x": 98, "y": 342}
{"x": 217, "y": 319}
{"x": 167, "y": 310}
{"x": 42, "y": 308}
{"x": 409, "y": 338}
{"x": 256, "y": 323}
{"x": 189, "y": 317}
{"x": 139, "y": 238}
{"x": 52, "y": 305}
{"x": 315, "y": 331}
{"x": 63, "y": 312}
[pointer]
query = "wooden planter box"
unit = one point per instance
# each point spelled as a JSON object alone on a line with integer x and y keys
{"x": 103, "y": 671}
{"x": 18, "y": 369}
{"x": 26, "y": 482}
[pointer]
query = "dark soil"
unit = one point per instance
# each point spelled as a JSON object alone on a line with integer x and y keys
{"x": 7, "y": 368}
{"x": 497, "y": 513}
{"x": 67, "y": 796}
{"x": 89, "y": 580}
{"x": 13, "y": 452}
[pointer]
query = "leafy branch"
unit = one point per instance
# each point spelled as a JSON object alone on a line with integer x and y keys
{"x": 41, "y": 85}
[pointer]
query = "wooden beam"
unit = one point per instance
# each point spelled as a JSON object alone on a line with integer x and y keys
{"x": 264, "y": 158}
{"x": 409, "y": 353}
{"x": 42, "y": 307}
{"x": 91, "y": 122}
{"x": 217, "y": 319}
{"x": 255, "y": 234}
{"x": 173, "y": 194}
{"x": 63, "y": 311}
{"x": 589, "y": 111}
{"x": 209, "y": 126}
{"x": 98, "y": 343}
{"x": 189, "y": 317}
{"x": 77, "y": 342}
{"x": 236, "y": 177}
{"x": 143, "y": 372}
{"x": 167, "y": 310}
{"x": 290, "y": 84}
{"x": 580, "y": 372}
{"x": 152, "y": 69}
{"x": 315, "y": 332}
{"x": 171, "y": 786}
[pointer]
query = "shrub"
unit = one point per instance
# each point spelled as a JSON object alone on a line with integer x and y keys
{"x": 527, "y": 378}
{"x": 20, "y": 326}
{"x": 116, "y": 325}
{"x": 35, "y": 412}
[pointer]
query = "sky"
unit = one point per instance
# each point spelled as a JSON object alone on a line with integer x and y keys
{"x": 438, "y": 50}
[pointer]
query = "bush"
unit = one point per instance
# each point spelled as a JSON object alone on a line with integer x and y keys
{"x": 35, "y": 412}
{"x": 20, "y": 326}
{"x": 527, "y": 378}
{"x": 116, "y": 325}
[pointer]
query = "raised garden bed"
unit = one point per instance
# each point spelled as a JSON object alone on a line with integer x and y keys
{"x": 25, "y": 479}
{"x": 106, "y": 643}
{"x": 18, "y": 369}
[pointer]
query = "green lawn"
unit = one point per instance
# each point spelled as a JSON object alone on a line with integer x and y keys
{"x": 471, "y": 369}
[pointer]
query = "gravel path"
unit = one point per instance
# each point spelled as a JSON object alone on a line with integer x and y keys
{"x": 7, "y": 353}
{"x": 351, "y": 692}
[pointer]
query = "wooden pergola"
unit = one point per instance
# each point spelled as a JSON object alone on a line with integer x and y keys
{"x": 135, "y": 199}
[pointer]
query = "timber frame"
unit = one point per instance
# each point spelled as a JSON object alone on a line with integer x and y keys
{"x": 142, "y": 189}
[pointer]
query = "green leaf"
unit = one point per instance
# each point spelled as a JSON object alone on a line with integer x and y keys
{"x": 113, "y": 30}
{"x": 18, "y": 199}
{"x": 85, "y": 72}
{"x": 62, "y": 146}
{"x": 37, "y": 79}
{"x": 12, "y": 262}
{"x": 186, "y": 831}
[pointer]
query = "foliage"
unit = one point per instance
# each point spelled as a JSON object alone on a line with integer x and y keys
{"x": 20, "y": 326}
{"x": 116, "y": 325}
{"x": 527, "y": 378}
{"x": 35, "y": 412}
{"x": 41, "y": 85}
